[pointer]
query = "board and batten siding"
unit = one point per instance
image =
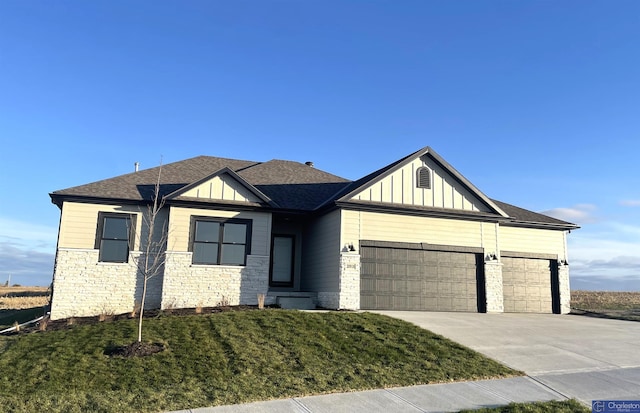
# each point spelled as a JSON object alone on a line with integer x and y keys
{"x": 222, "y": 187}
{"x": 400, "y": 187}
{"x": 533, "y": 240}
{"x": 321, "y": 254}
{"x": 180, "y": 226}
{"x": 375, "y": 226}
{"x": 79, "y": 222}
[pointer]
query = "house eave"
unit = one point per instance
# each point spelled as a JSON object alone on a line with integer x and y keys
{"x": 233, "y": 206}
{"x": 539, "y": 225}
{"x": 415, "y": 211}
{"x": 59, "y": 199}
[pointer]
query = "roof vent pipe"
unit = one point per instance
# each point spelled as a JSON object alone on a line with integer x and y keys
{"x": 136, "y": 166}
{"x": 309, "y": 163}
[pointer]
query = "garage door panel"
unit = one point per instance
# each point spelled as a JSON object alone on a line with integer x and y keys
{"x": 400, "y": 270}
{"x": 430, "y": 271}
{"x": 414, "y": 257}
{"x": 527, "y": 285}
{"x": 414, "y": 272}
{"x": 444, "y": 288}
{"x": 425, "y": 280}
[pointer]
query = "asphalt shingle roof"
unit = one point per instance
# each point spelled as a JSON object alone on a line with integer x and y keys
{"x": 524, "y": 215}
{"x": 291, "y": 185}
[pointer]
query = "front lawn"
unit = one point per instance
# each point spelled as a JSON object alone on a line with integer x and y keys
{"x": 226, "y": 358}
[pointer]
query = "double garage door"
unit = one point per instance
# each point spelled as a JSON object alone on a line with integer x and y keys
{"x": 403, "y": 276}
{"x": 408, "y": 277}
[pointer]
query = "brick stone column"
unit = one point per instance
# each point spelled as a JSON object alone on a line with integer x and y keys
{"x": 349, "y": 281}
{"x": 493, "y": 286}
{"x": 565, "y": 288}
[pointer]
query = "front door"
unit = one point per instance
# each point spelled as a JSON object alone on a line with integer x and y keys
{"x": 282, "y": 255}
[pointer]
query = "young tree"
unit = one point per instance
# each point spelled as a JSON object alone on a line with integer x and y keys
{"x": 151, "y": 260}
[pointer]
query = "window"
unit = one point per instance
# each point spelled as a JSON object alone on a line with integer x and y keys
{"x": 424, "y": 177}
{"x": 114, "y": 233}
{"x": 220, "y": 242}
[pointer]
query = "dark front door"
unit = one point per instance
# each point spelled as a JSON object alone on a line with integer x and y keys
{"x": 282, "y": 255}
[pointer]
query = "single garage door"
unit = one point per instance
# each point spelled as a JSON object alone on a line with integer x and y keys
{"x": 529, "y": 285}
{"x": 401, "y": 278}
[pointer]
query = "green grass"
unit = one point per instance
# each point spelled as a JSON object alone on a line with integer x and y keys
{"x": 227, "y": 358}
{"x": 565, "y": 406}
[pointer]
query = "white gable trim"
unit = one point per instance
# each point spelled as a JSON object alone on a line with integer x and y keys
{"x": 390, "y": 169}
{"x": 219, "y": 174}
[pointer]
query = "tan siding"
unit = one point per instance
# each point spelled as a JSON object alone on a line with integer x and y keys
{"x": 180, "y": 222}
{"x": 350, "y": 233}
{"x": 222, "y": 187}
{"x": 79, "y": 222}
{"x": 321, "y": 254}
{"x": 376, "y": 226}
{"x": 400, "y": 187}
{"x": 531, "y": 240}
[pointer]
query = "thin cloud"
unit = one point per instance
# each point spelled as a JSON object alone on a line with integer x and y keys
{"x": 28, "y": 235}
{"x": 630, "y": 202}
{"x": 604, "y": 283}
{"x": 619, "y": 262}
{"x": 24, "y": 266}
{"x": 580, "y": 214}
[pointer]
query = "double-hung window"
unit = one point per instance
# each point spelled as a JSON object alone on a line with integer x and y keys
{"x": 220, "y": 241}
{"x": 115, "y": 232}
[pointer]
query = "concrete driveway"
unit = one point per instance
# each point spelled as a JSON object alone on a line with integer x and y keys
{"x": 580, "y": 357}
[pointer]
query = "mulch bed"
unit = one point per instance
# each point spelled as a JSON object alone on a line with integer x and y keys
{"x": 135, "y": 349}
{"x": 71, "y": 322}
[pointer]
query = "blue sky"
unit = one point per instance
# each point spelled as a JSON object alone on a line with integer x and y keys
{"x": 537, "y": 103}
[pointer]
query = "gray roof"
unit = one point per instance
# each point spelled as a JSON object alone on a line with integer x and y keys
{"x": 290, "y": 185}
{"x": 521, "y": 215}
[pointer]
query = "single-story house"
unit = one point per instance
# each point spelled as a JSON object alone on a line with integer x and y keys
{"x": 414, "y": 235}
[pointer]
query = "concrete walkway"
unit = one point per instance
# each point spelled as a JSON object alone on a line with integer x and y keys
{"x": 451, "y": 397}
{"x": 563, "y": 356}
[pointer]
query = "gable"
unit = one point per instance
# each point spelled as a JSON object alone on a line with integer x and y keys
{"x": 224, "y": 188}
{"x": 400, "y": 187}
{"x": 224, "y": 185}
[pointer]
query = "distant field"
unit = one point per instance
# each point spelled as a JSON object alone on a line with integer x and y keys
{"x": 607, "y": 304}
{"x": 18, "y": 298}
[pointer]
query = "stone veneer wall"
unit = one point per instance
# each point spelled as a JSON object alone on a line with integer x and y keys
{"x": 493, "y": 286}
{"x": 349, "y": 298}
{"x": 188, "y": 285}
{"x": 82, "y": 286}
{"x": 565, "y": 288}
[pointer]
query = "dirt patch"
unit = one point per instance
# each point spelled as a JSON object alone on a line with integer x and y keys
{"x": 137, "y": 349}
